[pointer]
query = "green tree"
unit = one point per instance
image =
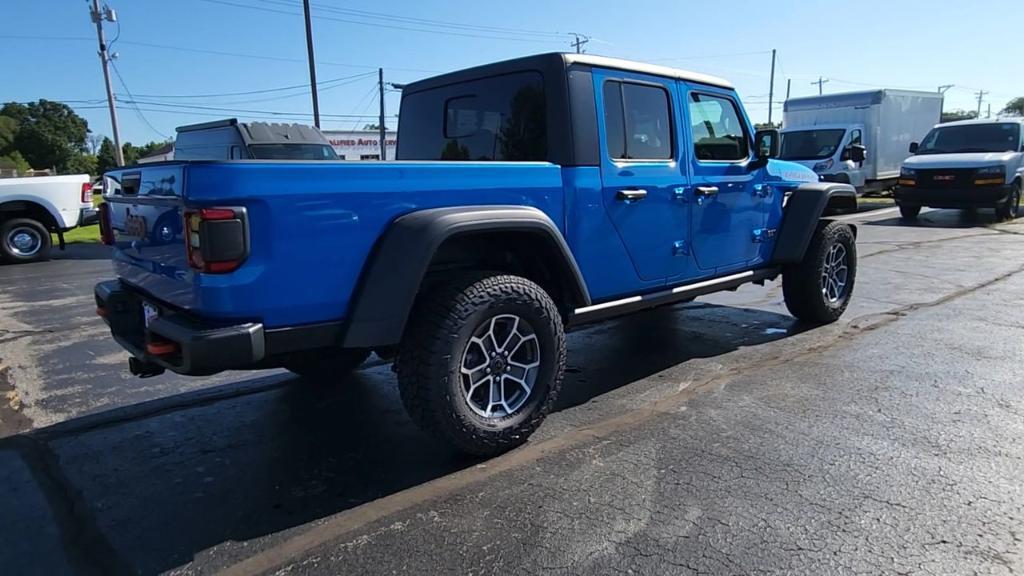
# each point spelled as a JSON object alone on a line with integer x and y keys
{"x": 16, "y": 160}
{"x": 83, "y": 164}
{"x": 954, "y": 115}
{"x": 105, "y": 156}
{"x": 49, "y": 134}
{"x": 1015, "y": 107}
{"x": 8, "y": 130}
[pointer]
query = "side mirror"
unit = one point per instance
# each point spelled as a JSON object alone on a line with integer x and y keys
{"x": 913, "y": 147}
{"x": 766, "y": 144}
{"x": 858, "y": 153}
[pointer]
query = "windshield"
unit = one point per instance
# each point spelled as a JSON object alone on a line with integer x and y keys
{"x": 292, "y": 152}
{"x": 971, "y": 138}
{"x": 810, "y": 144}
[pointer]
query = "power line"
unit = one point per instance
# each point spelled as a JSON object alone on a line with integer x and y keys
{"x": 388, "y": 26}
{"x": 303, "y": 86}
{"x": 222, "y": 109}
{"x": 213, "y": 52}
{"x": 421, "y": 21}
{"x": 137, "y": 111}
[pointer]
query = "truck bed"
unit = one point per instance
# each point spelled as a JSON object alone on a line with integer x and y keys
{"x": 311, "y": 225}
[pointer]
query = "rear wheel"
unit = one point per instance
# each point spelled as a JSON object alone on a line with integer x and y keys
{"x": 327, "y": 365}
{"x": 1009, "y": 210}
{"x": 482, "y": 361}
{"x": 818, "y": 288}
{"x": 909, "y": 213}
{"x": 24, "y": 240}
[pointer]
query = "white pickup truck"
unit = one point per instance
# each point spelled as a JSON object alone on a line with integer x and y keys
{"x": 32, "y": 208}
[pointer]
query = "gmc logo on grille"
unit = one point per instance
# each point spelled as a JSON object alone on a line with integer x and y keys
{"x": 944, "y": 178}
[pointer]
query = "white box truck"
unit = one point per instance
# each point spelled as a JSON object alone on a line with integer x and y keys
{"x": 860, "y": 138}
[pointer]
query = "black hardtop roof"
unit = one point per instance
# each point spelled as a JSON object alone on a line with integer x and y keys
{"x": 559, "y": 61}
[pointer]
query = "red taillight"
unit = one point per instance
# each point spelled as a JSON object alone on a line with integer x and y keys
{"x": 106, "y": 230}
{"x": 86, "y": 193}
{"x": 216, "y": 239}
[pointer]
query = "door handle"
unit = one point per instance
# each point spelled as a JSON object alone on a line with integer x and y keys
{"x": 705, "y": 192}
{"x": 631, "y": 195}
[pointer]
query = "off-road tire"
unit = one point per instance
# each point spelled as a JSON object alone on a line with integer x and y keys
{"x": 327, "y": 365}
{"x": 443, "y": 321}
{"x": 9, "y": 253}
{"x": 802, "y": 283}
{"x": 1008, "y": 210}
{"x": 909, "y": 213}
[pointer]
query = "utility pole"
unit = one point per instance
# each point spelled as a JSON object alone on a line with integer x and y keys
{"x": 989, "y": 115}
{"x": 821, "y": 84}
{"x": 383, "y": 131}
{"x": 789, "y": 84}
{"x": 942, "y": 90}
{"x": 312, "y": 64}
{"x": 981, "y": 95}
{"x": 771, "y": 89}
{"x": 578, "y": 44}
{"x": 98, "y": 17}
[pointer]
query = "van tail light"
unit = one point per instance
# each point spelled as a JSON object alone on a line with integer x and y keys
{"x": 216, "y": 239}
{"x": 106, "y": 230}
{"x": 86, "y": 193}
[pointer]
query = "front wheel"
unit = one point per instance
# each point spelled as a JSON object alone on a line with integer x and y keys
{"x": 1009, "y": 210}
{"x": 818, "y": 288}
{"x": 909, "y": 213}
{"x": 482, "y": 361}
{"x": 24, "y": 240}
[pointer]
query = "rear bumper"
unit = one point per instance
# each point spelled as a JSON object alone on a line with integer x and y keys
{"x": 966, "y": 197}
{"x": 88, "y": 216}
{"x": 199, "y": 348}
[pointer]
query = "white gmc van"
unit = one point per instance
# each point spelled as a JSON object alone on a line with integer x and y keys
{"x": 969, "y": 164}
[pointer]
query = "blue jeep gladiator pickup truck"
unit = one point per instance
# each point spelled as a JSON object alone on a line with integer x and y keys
{"x": 530, "y": 196}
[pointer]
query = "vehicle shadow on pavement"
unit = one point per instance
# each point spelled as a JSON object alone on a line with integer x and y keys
{"x": 84, "y": 251}
{"x": 943, "y": 219}
{"x": 145, "y": 488}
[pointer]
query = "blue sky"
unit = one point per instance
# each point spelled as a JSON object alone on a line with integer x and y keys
{"x": 173, "y": 48}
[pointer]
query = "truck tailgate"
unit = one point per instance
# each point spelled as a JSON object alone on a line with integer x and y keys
{"x": 146, "y": 205}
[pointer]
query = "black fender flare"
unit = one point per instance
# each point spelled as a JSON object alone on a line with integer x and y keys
{"x": 396, "y": 267}
{"x": 807, "y": 204}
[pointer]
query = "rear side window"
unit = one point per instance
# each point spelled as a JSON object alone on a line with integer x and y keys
{"x": 498, "y": 118}
{"x": 638, "y": 121}
{"x": 718, "y": 132}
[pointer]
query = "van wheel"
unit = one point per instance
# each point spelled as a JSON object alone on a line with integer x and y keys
{"x": 818, "y": 288}
{"x": 326, "y": 365}
{"x": 909, "y": 213}
{"x": 24, "y": 240}
{"x": 482, "y": 361}
{"x": 1009, "y": 210}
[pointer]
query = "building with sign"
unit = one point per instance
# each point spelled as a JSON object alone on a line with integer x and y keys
{"x": 361, "y": 144}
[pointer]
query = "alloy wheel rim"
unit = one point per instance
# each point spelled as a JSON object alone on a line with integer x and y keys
{"x": 834, "y": 274}
{"x": 499, "y": 366}
{"x": 24, "y": 241}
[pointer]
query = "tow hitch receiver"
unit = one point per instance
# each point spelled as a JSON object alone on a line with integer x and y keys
{"x": 143, "y": 369}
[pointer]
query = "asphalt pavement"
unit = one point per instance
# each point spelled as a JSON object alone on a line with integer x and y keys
{"x": 717, "y": 437}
